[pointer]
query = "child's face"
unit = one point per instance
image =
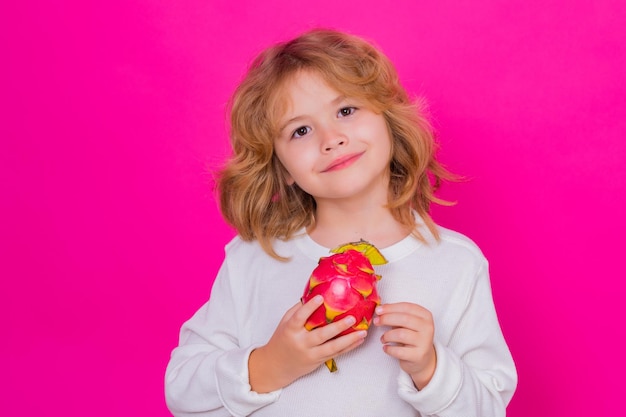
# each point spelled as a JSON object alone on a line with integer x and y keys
{"x": 332, "y": 146}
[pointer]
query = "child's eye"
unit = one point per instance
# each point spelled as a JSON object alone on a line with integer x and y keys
{"x": 346, "y": 111}
{"x": 301, "y": 131}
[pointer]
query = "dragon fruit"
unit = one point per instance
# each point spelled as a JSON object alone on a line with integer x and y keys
{"x": 347, "y": 281}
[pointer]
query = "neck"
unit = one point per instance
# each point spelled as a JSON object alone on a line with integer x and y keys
{"x": 336, "y": 224}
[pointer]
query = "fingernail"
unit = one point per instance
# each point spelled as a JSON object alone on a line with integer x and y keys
{"x": 318, "y": 299}
{"x": 350, "y": 320}
{"x": 379, "y": 310}
{"x": 376, "y": 321}
{"x": 362, "y": 334}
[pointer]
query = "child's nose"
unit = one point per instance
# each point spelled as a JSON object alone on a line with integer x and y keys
{"x": 333, "y": 139}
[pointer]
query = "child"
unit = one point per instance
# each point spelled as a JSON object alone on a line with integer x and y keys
{"x": 328, "y": 149}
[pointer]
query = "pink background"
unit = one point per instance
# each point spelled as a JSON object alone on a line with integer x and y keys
{"x": 113, "y": 114}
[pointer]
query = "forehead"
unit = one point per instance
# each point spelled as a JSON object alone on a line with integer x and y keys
{"x": 306, "y": 80}
{"x": 310, "y": 85}
{"x": 307, "y": 85}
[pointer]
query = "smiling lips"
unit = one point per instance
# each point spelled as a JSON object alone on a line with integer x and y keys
{"x": 343, "y": 162}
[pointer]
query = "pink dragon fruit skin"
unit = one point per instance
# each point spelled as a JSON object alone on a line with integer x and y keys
{"x": 348, "y": 284}
{"x": 347, "y": 281}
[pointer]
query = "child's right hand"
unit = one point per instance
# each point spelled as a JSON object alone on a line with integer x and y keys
{"x": 293, "y": 351}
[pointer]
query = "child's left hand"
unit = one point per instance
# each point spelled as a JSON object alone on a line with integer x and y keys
{"x": 410, "y": 339}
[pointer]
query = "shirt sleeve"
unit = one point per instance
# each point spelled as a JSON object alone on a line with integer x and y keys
{"x": 475, "y": 373}
{"x": 207, "y": 374}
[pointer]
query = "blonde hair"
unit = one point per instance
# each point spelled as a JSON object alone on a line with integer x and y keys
{"x": 254, "y": 197}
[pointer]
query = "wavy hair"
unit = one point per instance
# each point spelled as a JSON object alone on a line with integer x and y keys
{"x": 254, "y": 197}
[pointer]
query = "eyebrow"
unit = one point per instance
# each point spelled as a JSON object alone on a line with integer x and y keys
{"x": 334, "y": 102}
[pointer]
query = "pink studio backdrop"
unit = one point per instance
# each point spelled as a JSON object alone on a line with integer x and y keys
{"x": 113, "y": 115}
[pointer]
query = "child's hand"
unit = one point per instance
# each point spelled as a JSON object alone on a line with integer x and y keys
{"x": 410, "y": 339}
{"x": 294, "y": 351}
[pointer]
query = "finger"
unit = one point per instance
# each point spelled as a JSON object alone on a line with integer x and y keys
{"x": 329, "y": 331}
{"x": 289, "y": 313}
{"x": 403, "y": 320}
{"x": 403, "y": 353}
{"x": 341, "y": 344}
{"x": 401, "y": 336}
{"x": 303, "y": 311}
{"x": 408, "y": 308}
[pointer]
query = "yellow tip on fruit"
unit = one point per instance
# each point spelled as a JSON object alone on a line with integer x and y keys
{"x": 366, "y": 248}
{"x": 331, "y": 313}
{"x": 363, "y": 325}
{"x": 331, "y": 365}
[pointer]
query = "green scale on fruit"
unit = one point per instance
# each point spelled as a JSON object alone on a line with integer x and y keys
{"x": 347, "y": 281}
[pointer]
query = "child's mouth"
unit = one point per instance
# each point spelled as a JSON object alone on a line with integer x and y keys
{"x": 343, "y": 162}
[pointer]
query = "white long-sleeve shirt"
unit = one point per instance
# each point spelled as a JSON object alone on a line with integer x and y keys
{"x": 475, "y": 374}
